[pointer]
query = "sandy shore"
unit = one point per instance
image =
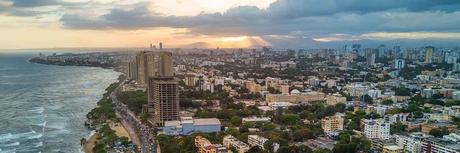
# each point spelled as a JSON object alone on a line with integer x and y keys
{"x": 91, "y": 141}
{"x": 119, "y": 130}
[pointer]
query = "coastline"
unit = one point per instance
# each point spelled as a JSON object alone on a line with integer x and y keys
{"x": 119, "y": 129}
{"x": 91, "y": 140}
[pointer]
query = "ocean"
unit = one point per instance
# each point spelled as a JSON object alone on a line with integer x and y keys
{"x": 43, "y": 107}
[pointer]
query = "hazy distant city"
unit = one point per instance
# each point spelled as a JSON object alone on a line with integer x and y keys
{"x": 230, "y": 76}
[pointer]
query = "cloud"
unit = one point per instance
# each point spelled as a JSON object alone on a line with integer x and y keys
{"x": 35, "y": 3}
{"x": 284, "y": 20}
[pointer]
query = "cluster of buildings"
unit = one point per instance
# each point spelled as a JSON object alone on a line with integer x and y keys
{"x": 362, "y": 79}
{"x": 154, "y": 71}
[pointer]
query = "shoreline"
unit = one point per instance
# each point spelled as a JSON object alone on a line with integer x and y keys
{"x": 119, "y": 128}
{"x": 31, "y": 60}
{"x": 90, "y": 142}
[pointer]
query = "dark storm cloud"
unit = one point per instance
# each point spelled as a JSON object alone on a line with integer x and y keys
{"x": 35, "y": 3}
{"x": 286, "y": 16}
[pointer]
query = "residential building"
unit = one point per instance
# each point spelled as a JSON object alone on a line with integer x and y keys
{"x": 256, "y": 119}
{"x": 256, "y": 140}
{"x": 376, "y": 129}
{"x": 429, "y": 54}
{"x": 295, "y": 98}
{"x": 399, "y": 64}
{"x": 441, "y": 145}
{"x": 163, "y": 99}
{"x": 392, "y": 149}
{"x": 229, "y": 141}
{"x": 411, "y": 143}
{"x": 205, "y": 146}
{"x": 332, "y": 123}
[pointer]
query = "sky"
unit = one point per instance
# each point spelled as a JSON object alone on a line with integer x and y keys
{"x": 227, "y": 23}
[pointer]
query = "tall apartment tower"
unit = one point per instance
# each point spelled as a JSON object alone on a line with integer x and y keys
{"x": 429, "y": 54}
{"x": 163, "y": 99}
{"x": 155, "y": 70}
{"x": 132, "y": 70}
{"x": 151, "y": 64}
{"x": 370, "y": 56}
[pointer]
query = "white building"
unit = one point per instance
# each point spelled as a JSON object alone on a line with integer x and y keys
{"x": 188, "y": 125}
{"x": 376, "y": 129}
{"x": 256, "y": 140}
{"x": 399, "y": 63}
{"x": 374, "y": 94}
{"x": 256, "y": 119}
{"x": 230, "y": 141}
{"x": 411, "y": 143}
{"x": 402, "y": 117}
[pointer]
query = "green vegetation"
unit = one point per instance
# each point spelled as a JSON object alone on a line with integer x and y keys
{"x": 397, "y": 128}
{"x": 185, "y": 144}
{"x": 134, "y": 100}
{"x": 439, "y": 132}
{"x": 387, "y": 102}
{"x": 402, "y": 91}
{"x": 351, "y": 144}
{"x": 104, "y": 111}
{"x": 107, "y": 136}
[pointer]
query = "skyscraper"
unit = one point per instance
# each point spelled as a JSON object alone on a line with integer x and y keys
{"x": 151, "y": 64}
{"x": 155, "y": 70}
{"x": 429, "y": 54}
{"x": 399, "y": 64}
{"x": 163, "y": 99}
{"x": 132, "y": 70}
{"x": 370, "y": 56}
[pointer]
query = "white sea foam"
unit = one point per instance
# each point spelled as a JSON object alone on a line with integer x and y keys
{"x": 8, "y": 137}
{"x": 39, "y": 144}
{"x": 39, "y": 135}
{"x": 38, "y": 110}
{"x": 12, "y": 144}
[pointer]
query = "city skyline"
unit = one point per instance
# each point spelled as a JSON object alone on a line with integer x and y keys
{"x": 227, "y": 23}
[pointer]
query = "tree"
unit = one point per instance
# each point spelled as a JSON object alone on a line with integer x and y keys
{"x": 367, "y": 99}
{"x": 235, "y": 120}
{"x": 402, "y": 91}
{"x": 351, "y": 144}
{"x": 439, "y": 132}
{"x": 290, "y": 119}
{"x": 387, "y": 102}
{"x": 273, "y": 90}
{"x": 340, "y": 107}
{"x": 255, "y": 149}
{"x": 397, "y": 128}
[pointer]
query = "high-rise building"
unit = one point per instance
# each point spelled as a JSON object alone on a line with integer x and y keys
{"x": 163, "y": 99}
{"x": 370, "y": 56}
{"x": 429, "y": 54}
{"x": 132, "y": 70}
{"x": 151, "y": 64}
{"x": 399, "y": 64}
{"x": 412, "y": 54}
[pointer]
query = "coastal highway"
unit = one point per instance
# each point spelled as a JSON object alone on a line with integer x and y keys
{"x": 135, "y": 126}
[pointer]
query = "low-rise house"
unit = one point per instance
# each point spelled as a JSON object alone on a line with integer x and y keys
{"x": 229, "y": 141}
{"x": 188, "y": 125}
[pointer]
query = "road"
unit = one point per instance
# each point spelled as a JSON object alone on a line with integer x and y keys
{"x": 144, "y": 133}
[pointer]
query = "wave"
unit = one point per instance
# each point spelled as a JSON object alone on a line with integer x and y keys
{"x": 9, "y": 136}
{"x": 35, "y": 136}
{"x": 9, "y": 151}
{"x": 39, "y": 144}
{"x": 12, "y": 144}
{"x": 38, "y": 110}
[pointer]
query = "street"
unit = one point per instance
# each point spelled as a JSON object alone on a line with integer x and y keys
{"x": 135, "y": 126}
